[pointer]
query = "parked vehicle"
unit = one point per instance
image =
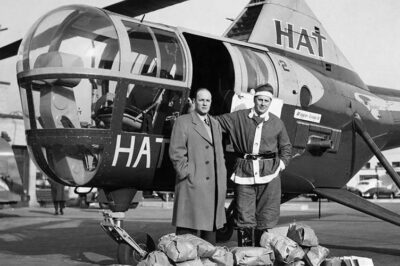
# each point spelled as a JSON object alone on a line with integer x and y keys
{"x": 373, "y": 188}
{"x": 353, "y": 190}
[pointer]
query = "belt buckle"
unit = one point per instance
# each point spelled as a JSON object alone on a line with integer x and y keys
{"x": 250, "y": 157}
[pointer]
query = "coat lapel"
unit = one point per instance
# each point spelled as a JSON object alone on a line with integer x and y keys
{"x": 199, "y": 127}
{"x": 214, "y": 130}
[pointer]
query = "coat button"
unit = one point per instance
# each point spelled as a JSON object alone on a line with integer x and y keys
{"x": 207, "y": 177}
{"x": 207, "y": 162}
{"x": 207, "y": 147}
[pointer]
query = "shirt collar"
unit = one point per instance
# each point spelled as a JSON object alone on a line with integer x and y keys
{"x": 264, "y": 115}
{"x": 202, "y": 117}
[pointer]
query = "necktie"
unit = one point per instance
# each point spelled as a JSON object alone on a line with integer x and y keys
{"x": 208, "y": 128}
{"x": 258, "y": 119}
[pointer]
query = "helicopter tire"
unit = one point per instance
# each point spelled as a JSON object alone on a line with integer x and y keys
{"x": 128, "y": 256}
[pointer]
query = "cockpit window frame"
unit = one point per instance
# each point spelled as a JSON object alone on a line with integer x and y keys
{"x": 120, "y": 74}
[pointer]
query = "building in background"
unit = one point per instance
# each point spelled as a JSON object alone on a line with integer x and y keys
{"x": 12, "y": 125}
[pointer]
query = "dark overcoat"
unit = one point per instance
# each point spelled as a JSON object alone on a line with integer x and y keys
{"x": 200, "y": 186}
{"x": 57, "y": 191}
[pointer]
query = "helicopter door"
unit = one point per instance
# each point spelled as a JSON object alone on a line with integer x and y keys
{"x": 252, "y": 68}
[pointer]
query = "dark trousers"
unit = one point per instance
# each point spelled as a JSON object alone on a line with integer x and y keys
{"x": 258, "y": 206}
{"x": 59, "y": 205}
{"x": 209, "y": 236}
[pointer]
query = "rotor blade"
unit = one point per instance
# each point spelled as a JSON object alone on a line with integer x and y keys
{"x": 9, "y": 50}
{"x": 135, "y": 8}
{"x": 353, "y": 201}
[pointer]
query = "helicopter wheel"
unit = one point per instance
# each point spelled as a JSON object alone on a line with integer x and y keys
{"x": 127, "y": 255}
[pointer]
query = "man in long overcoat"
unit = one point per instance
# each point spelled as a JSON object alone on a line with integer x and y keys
{"x": 198, "y": 158}
{"x": 58, "y": 196}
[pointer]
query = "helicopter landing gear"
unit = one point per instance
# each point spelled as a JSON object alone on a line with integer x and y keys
{"x": 129, "y": 251}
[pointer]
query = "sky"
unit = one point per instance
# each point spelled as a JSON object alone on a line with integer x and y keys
{"x": 367, "y": 31}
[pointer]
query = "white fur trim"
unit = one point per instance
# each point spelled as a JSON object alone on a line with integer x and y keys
{"x": 254, "y": 179}
{"x": 282, "y": 165}
{"x": 264, "y": 93}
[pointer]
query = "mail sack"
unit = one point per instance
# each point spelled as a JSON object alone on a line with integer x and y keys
{"x": 195, "y": 262}
{"x": 178, "y": 247}
{"x": 155, "y": 258}
{"x": 285, "y": 249}
{"x": 204, "y": 248}
{"x": 316, "y": 255}
{"x": 303, "y": 235}
{"x": 253, "y": 256}
{"x": 222, "y": 257}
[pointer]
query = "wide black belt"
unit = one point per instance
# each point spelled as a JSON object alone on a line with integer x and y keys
{"x": 270, "y": 155}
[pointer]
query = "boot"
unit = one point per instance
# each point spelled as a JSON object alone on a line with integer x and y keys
{"x": 257, "y": 236}
{"x": 246, "y": 237}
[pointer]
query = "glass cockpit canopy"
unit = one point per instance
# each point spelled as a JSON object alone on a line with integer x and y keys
{"x": 73, "y": 63}
{"x": 88, "y": 37}
{"x": 88, "y": 52}
{"x": 85, "y": 35}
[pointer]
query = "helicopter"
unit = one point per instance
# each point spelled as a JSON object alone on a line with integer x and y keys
{"x": 100, "y": 92}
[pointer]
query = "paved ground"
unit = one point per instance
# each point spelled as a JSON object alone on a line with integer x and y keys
{"x": 34, "y": 236}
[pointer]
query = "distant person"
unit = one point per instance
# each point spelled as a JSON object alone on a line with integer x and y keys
{"x": 262, "y": 150}
{"x": 58, "y": 196}
{"x": 197, "y": 155}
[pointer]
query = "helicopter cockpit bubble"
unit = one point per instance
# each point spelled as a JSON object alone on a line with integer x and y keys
{"x": 86, "y": 75}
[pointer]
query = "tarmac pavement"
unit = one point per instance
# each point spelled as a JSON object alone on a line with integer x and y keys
{"x": 34, "y": 236}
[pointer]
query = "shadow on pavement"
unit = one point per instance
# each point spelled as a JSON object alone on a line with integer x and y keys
{"x": 79, "y": 240}
{"x": 7, "y": 215}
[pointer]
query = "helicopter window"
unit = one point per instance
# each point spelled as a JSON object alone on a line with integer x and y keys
{"x": 143, "y": 50}
{"x": 151, "y": 109}
{"x": 88, "y": 34}
{"x": 69, "y": 103}
{"x": 172, "y": 63}
{"x": 256, "y": 68}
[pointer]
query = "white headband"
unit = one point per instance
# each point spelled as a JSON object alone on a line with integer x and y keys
{"x": 264, "y": 93}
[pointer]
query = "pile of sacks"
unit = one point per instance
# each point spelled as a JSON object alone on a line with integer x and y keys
{"x": 300, "y": 247}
